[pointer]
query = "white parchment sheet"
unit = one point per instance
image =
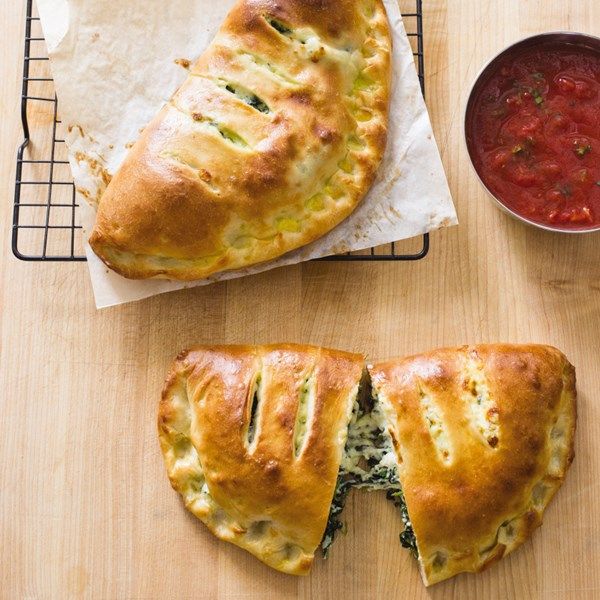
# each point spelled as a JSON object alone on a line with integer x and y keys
{"x": 115, "y": 63}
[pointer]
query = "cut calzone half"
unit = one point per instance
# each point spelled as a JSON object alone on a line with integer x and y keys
{"x": 253, "y": 438}
{"x": 271, "y": 142}
{"x": 482, "y": 438}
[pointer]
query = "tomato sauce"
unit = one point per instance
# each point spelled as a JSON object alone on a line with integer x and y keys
{"x": 534, "y": 135}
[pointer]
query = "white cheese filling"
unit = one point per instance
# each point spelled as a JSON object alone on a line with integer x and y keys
{"x": 369, "y": 458}
{"x": 369, "y": 462}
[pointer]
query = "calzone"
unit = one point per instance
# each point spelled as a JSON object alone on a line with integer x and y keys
{"x": 272, "y": 141}
{"x": 482, "y": 437}
{"x": 253, "y": 438}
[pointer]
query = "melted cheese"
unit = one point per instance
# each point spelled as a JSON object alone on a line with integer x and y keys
{"x": 369, "y": 458}
{"x": 369, "y": 462}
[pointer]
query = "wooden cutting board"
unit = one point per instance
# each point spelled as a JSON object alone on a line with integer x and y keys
{"x": 85, "y": 507}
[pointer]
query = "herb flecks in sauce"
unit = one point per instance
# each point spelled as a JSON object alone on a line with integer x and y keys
{"x": 581, "y": 148}
{"x": 537, "y": 96}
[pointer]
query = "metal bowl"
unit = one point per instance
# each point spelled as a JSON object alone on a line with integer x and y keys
{"x": 567, "y": 38}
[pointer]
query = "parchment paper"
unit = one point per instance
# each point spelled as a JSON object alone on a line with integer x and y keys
{"x": 115, "y": 63}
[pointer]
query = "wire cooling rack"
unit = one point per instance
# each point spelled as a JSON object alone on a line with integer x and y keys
{"x": 46, "y": 224}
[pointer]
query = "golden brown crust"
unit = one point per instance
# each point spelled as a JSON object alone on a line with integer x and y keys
{"x": 485, "y": 435}
{"x": 272, "y": 141}
{"x": 263, "y": 482}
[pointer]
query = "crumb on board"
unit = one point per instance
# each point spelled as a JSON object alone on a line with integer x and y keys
{"x": 183, "y": 62}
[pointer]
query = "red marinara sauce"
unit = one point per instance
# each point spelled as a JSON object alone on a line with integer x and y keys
{"x": 534, "y": 135}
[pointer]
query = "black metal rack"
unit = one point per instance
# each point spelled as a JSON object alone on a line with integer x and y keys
{"x": 46, "y": 223}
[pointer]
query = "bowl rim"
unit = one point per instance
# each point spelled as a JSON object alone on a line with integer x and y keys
{"x": 541, "y": 37}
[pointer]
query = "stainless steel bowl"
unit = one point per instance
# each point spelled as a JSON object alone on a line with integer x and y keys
{"x": 567, "y": 38}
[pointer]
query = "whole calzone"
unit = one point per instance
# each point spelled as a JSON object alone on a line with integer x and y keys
{"x": 273, "y": 140}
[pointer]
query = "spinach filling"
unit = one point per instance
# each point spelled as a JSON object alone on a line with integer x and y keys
{"x": 407, "y": 537}
{"x": 279, "y": 26}
{"x": 249, "y": 98}
{"x": 334, "y": 523}
{"x": 369, "y": 462}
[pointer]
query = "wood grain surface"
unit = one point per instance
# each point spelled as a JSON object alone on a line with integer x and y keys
{"x": 85, "y": 507}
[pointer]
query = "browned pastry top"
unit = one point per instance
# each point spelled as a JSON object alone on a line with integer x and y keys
{"x": 253, "y": 437}
{"x": 272, "y": 141}
{"x": 484, "y": 436}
